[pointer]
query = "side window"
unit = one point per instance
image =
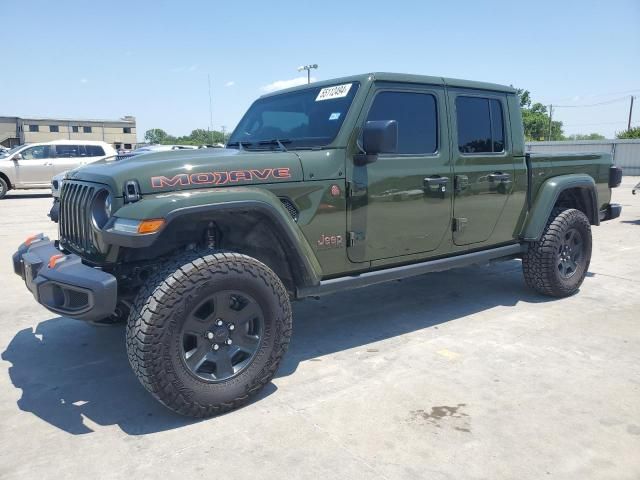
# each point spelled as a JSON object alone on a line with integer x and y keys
{"x": 95, "y": 151}
{"x": 480, "y": 125}
{"x": 416, "y": 116}
{"x": 67, "y": 151}
{"x": 36, "y": 153}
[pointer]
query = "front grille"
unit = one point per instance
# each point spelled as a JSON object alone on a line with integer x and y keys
{"x": 76, "y": 230}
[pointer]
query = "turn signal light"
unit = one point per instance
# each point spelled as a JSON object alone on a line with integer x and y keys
{"x": 53, "y": 260}
{"x": 150, "y": 226}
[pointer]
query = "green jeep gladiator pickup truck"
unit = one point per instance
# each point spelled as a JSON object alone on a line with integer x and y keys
{"x": 329, "y": 186}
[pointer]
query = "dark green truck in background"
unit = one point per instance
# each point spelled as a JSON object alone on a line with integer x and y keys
{"x": 329, "y": 186}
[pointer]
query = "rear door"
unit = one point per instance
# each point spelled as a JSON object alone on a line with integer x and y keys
{"x": 69, "y": 156}
{"x": 401, "y": 204}
{"x": 35, "y": 168}
{"x": 482, "y": 162}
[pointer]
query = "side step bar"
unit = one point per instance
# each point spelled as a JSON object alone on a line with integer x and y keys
{"x": 334, "y": 285}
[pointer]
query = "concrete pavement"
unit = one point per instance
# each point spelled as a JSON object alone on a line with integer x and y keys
{"x": 457, "y": 375}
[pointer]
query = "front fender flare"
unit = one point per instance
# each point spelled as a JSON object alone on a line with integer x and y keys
{"x": 547, "y": 197}
{"x": 172, "y": 206}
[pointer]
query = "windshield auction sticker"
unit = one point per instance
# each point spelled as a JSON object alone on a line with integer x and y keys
{"x": 337, "y": 91}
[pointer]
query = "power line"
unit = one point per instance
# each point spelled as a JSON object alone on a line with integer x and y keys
{"x": 615, "y": 100}
{"x": 626, "y": 92}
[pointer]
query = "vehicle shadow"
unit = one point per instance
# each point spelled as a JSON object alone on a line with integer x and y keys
{"x": 631, "y": 222}
{"x": 73, "y": 375}
{"x": 359, "y": 317}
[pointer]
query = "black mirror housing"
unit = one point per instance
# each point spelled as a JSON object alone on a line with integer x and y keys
{"x": 380, "y": 136}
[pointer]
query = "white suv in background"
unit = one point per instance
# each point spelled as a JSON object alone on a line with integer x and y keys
{"x": 33, "y": 165}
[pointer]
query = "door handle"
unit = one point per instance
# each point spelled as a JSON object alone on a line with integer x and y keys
{"x": 435, "y": 181}
{"x": 48, "y": 164}
{"x": 435, "y": 186}
{"x": 499, "y": 177}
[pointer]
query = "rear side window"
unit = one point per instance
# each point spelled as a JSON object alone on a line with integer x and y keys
{"x": 68, "y": 151}
{"x": 480, "y": 125}
{"x": 94, "y": 150}
{"x": 416, "y": 117}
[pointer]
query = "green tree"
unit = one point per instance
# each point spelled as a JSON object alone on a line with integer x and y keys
{"x": 590, "y": 136}
{"x": 156, "y": 135}
{"x": 631, "y": 133}
{"x": 535, "y": 119}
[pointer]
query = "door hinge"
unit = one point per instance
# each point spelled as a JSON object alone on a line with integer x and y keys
{"x": 458, "y": 224}
{"x": 348, "y": 190}
{"x": 353, "y": 238}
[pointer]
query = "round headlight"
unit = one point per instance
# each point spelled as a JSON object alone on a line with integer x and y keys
{"x": 107, "y": 205}
{"x": 101, "y": 208}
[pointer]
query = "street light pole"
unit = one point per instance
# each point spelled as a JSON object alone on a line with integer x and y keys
{"x": 308, "y": 69}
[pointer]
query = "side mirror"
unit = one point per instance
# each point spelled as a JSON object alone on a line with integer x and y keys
{"x": 16, "y": 157}
{"x": 378, "y": 136}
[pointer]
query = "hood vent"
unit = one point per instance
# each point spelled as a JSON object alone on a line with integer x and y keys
{"x": 291, "y": 208}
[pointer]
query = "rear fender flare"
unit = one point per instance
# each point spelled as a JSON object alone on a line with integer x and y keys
{"x": 548, "y": 195}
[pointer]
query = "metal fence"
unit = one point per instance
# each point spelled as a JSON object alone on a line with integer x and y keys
{"x": 626, "y": 153}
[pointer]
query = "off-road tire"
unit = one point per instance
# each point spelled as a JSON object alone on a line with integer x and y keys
{"x": 540, "y": 262}
{"x": 4, "y": 187}
{"x": 163, "y": 305}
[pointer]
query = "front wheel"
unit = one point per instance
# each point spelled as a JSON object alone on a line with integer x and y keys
{"x": 208, "y": 332}
{"x": 4, "y": 187}
{"x": 556, "y": 264}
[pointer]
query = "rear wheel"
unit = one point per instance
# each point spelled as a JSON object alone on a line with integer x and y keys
{"x": 208, "y": 332}
{"x": 557, "y": 264}
{"x": 4, "y": 187}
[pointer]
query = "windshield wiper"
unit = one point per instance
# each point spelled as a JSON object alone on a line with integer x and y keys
{"x": 239, "y": 144}
{"x": 276, "y": 141}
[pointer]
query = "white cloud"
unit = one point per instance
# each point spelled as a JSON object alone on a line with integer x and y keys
{"x": 193, "y": 68}
{"x": 230, "y": 83}
{"x": 280, "y": 84}
{"x": 83, "y": 80}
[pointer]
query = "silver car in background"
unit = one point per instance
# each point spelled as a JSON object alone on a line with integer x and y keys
{"x": 33, "y": 165}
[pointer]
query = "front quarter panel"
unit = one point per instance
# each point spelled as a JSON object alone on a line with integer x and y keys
{"x": 171, "y": 206}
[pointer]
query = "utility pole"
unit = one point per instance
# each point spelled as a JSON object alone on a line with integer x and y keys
{"x": 630, "y": 113}
{"x": 550, "y": 120}
{"x": 224, "y": 137}
{"x": 210, "y": 112}
{"x": 308, "y": 69}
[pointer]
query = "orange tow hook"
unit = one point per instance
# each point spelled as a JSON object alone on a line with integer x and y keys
{"x": 54, "y": 259}
{"x": 32, "y": 239}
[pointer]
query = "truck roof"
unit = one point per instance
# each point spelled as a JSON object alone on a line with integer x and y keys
{"x": 403, "y": 78}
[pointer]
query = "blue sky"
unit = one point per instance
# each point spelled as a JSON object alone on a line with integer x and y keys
{"x": 151, "y": 58}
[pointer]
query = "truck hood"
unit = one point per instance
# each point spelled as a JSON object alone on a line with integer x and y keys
{"x": 190, "y": 169}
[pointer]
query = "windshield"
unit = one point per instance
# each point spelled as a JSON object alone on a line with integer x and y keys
{"x": 12, "y": 151}
{"x": 306, "y": 118}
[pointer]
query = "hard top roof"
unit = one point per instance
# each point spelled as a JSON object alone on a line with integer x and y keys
{"x": 402, "y": 78}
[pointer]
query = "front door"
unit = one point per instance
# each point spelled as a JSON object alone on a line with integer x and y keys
{"x": 401, "y": 204}
{"x": 35, "y": 168}
{"x": 482, "y": 162}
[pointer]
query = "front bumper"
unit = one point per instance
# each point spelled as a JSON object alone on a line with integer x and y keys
{"x": 612, "y": 211}
{"x": 67, "y": 286}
